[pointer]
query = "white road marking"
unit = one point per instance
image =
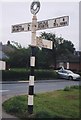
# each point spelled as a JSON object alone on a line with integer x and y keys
{"x": 3, "y": 91}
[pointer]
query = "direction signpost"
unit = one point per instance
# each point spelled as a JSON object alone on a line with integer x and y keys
{"x": 37, "y": 41}
{"x": 43, "y": 43}
{"x": 46, "y": 24}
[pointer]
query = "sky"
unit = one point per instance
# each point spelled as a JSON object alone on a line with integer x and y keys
{"x": 18, "y": 12}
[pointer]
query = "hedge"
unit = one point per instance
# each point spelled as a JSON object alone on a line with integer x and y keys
{"x": 24, "y": 75}
{"x": 45, "y": 74}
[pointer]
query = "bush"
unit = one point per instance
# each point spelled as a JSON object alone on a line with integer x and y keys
{"x": 67, "y": 88}
{"x": 74, "y": 87}
{"x": 19, "y": 75}
{"x": 14, "y": 75}
{"x": 80, "y": 73}
{"x": 45, "y": 74}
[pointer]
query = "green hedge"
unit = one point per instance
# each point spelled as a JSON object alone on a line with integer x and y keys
{"x": 45, "y": 74}
{"x": 14, "y": 75}
{"x": 24, "y": 75}
{"x": 80, "y": 73}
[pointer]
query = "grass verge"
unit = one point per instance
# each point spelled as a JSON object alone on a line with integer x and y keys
{"x": 56, "y": 104}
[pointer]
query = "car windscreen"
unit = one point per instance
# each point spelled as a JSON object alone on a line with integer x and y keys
{"x": 70, "y": 72}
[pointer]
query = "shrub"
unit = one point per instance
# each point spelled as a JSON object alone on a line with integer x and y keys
{"x": 45, "y": 74}
{"x": 19, "y": 75}
{"x": 14, "y": 75}
{"x": 75, "y": 87}
{"x": 67, "y": 88}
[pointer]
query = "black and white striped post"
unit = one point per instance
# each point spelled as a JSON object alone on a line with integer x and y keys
{"x": 32, "y": 66}
{"x": 35, "y": 6}
{"x": 31, "y": 82}
{"x": 36, "y": 41}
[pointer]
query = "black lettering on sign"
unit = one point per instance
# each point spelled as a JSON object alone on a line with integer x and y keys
{"x": 20, "y": 28}
{"x": 28, "y": 27}
{"x": 55, "y": 24}
{"x": 17, "y": 28}
{"x": 63, "y": 23}
{"x": 42, "y": 25}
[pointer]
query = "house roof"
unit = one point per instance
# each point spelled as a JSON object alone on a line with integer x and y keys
{"x": 4, "y": 49}
{"x": 3, "y": 55}
{"x": 7, "y": 48}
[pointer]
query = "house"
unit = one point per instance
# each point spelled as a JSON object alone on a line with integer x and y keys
{"x": 73, "y": 63}
{"x": 3, "y": 50}
{"x": 6, "y": 48}
{"x": 2, "y": 62}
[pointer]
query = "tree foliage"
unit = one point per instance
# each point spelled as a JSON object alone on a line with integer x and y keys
{"x": 62, "y": 48}
{"x": 19, "y": 57}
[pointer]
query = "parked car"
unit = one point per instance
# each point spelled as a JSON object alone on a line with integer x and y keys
{"x": 68, "y": 74}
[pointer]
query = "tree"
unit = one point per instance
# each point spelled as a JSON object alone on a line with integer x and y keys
{"x": 19, "y": 57}
{"x": 61, "y": 47}
{"x": 42, "y": 59}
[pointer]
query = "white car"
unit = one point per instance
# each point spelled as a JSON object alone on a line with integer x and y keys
{"x": 68, "y": 74}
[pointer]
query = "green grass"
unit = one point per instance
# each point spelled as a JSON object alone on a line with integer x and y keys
{"x": 56, "y": 104}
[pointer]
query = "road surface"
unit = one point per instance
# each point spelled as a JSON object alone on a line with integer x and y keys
{"x": 18, "y": 88}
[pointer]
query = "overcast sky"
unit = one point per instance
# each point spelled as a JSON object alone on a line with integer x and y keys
{"x": 19, "y": 12}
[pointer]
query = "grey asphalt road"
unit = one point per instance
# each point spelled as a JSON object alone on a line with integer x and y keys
{"x": 18, "y": 88}
{"x": 44, "y": 86}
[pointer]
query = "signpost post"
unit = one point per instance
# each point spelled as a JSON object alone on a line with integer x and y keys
{"x": 37, "y": 41}
{"x": 32, "y": 58}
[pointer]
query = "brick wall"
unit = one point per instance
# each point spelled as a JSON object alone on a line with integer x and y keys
{"x": 72, "y": 66}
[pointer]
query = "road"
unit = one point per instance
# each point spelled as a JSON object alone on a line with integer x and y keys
{"x": 18, "y": 88}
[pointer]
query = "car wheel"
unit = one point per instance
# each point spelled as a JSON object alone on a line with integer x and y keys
{"x": 70, "y": 78}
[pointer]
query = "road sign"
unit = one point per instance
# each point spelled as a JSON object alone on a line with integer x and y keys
{"x": 53, "y": 23}
{"x": 21, "y": 27}
{"x": 46, "y": 24}
{"x": 43, "y": 43}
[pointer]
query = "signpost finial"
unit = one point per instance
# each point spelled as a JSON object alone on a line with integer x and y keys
{"x": 34, "y": 8}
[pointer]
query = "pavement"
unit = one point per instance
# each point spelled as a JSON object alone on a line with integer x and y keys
{"x": 7, "y": 116}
